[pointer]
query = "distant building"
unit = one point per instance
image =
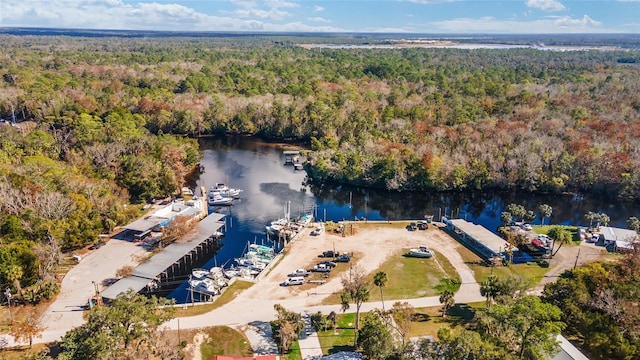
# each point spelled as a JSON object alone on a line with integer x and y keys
{"x": 618, "y": 239}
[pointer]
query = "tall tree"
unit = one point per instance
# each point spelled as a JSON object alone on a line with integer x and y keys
{"x": 560, "y": 236}
{"x": 288, "y": 326}
{"x": 591, "y": 217}
{"x": 490, "y": 288}
{"x": 356, "y": 289}
{"x": 380, "y": 280}
{"x": 633, "y": 223}
{"x": 506, "y": 217}
{"x": 124, "y": 329}
{"x": 447, "y": 288}
{"x": 403, "y": 314}
{"x": 527, "y": 327}
{"x": 374, "y": 338}
{"x": 545, "y": 211}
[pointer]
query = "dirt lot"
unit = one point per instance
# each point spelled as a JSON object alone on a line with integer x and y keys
{"x": 371, "y": 245}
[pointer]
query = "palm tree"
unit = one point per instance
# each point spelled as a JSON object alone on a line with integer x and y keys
{"x": 591, "y": 217}
{"x": 545, "y": 212}
{"x": 559, "y": 235}
{"x": 447, "y": 300}
{"x": 489, "y": 288}
{"x": 633, "y": 223}
{"x": 380, "y": 280}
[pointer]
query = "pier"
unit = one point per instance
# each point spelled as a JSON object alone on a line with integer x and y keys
{"x": 170, "y": 267}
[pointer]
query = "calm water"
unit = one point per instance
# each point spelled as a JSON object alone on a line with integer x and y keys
{"x": 258, "y": 168}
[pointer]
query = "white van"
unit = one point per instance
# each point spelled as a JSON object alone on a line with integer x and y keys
{"x": 294, "y": 280}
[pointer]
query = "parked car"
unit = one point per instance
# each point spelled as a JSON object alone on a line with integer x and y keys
{"x": 299, "y": 272}
{"x": 595, "y": 238}
{"x": 330, "y": 264}
{"x": 321, "y": 268}
{"x": 412, "y": 226}
{"x": 317, "y": 231}
{"x": 423, "y": 225}
{"x": 527, "y": 227}
{"x": 327, "y": 254}
{"x": 296, "y": 280}
{"x": 343, "y": 258}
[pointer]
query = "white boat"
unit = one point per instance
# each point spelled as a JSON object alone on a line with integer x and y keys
{"x": 199, "y": 273}
{"x": 275, "y": 226}
{"x": 215, "y": 199}
{"x": 226, "y": 191}
{"x": 421, "y": 252}
{"x": 217, "y": 275}
{"x": 205, "y": 286}
{"x": 187, "y": 192}
{"x": 305, "y": 219}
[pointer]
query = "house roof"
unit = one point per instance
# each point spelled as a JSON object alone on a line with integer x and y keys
{"x": 481, "y": 234}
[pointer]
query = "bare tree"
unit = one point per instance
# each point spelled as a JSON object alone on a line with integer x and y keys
{"x": 27, "y": 329}
{"x": 356, "y": 288}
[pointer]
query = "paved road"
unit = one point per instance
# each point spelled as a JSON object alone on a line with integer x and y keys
{"x": 77, "y": 287}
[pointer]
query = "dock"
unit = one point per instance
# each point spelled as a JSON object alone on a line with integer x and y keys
{"x": 169, "y": 267}
{"x": 291, "y": 156}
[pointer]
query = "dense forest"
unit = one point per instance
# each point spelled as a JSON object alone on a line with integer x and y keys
{"x": 400, "y": 119}
{"x": 101, "y": 123}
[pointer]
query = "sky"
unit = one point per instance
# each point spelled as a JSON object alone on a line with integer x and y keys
{"x": 385, "y": 16}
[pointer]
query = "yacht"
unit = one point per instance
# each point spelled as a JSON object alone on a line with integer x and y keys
{"x": 215, "y": 199}
{"x": 226, "y": 191}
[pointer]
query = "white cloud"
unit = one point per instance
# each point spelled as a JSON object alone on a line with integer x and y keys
{"x": 318, "y": 8}
{"x": 115, "y": 14}
{"x": 319, "y": 19}
{"x": 559, "y": 24}
{"x": 545, "y": 5}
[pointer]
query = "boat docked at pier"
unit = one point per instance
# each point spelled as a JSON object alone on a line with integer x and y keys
{"x": 204, "y": 286}
{"x": 216, "y": 199}
{"x": 226, "y": 191}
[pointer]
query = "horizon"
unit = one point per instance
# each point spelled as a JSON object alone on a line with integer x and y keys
{"x": 443, "y": 17}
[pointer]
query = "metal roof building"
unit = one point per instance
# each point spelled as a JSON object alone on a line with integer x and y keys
{"x": 157, "y": 266}
{"x": 618, "y": 239}
{"x": 486, "y": 243}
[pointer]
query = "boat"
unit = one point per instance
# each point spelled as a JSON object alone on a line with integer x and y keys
{"x": 199, "y": 273}
{"x": 305, "y": 219}
{"x": 186, "y": 191}
{"x": 215, "y": 199}
{"x": 275, "y": 226}
{"x": 226, "y": 191}
{"x": 421, "y": 252}
{"x": 217, "y": 275}
{"x": 205, "y": 286}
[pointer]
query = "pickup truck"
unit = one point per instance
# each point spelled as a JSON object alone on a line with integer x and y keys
{"x": 299, "y": 272}
{"x": 321, "y": 268}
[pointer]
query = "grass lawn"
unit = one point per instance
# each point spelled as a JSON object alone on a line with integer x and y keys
{"x": 408, "y": 277}
{"x": 224, "y": 340}
{"x": 343, "y": 338}
{"x": 294, "y": 352}
{"x": 230, "y": 293}
{"x": 427, "y": 321}
{"x": 531, "y": 273}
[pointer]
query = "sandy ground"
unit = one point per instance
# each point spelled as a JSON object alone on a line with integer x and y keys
{"x": 371, "y": 245}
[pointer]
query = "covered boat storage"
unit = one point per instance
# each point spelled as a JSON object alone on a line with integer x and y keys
{"x": 480, "y": 239}
{"x": 173, "y": 261}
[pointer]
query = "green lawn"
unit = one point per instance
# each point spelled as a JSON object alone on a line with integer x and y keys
{"x": 342, "y": 339}
{"x": 230, "y": 293}
{"x": 294, "y": 352}
{"x": 427, "y": 321}
{"x": 224, "y": 340}
{"x": 408, "y": 277}
{"x": 531, "y": 273}
{"x": 411, "y": 277}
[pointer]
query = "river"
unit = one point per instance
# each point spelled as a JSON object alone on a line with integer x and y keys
{"x": 268, "y": 185}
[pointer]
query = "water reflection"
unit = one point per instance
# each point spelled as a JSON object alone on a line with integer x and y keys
{"x": 258, "y": 168}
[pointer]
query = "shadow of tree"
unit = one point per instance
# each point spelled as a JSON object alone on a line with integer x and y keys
{"x": 339, "y": 348}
